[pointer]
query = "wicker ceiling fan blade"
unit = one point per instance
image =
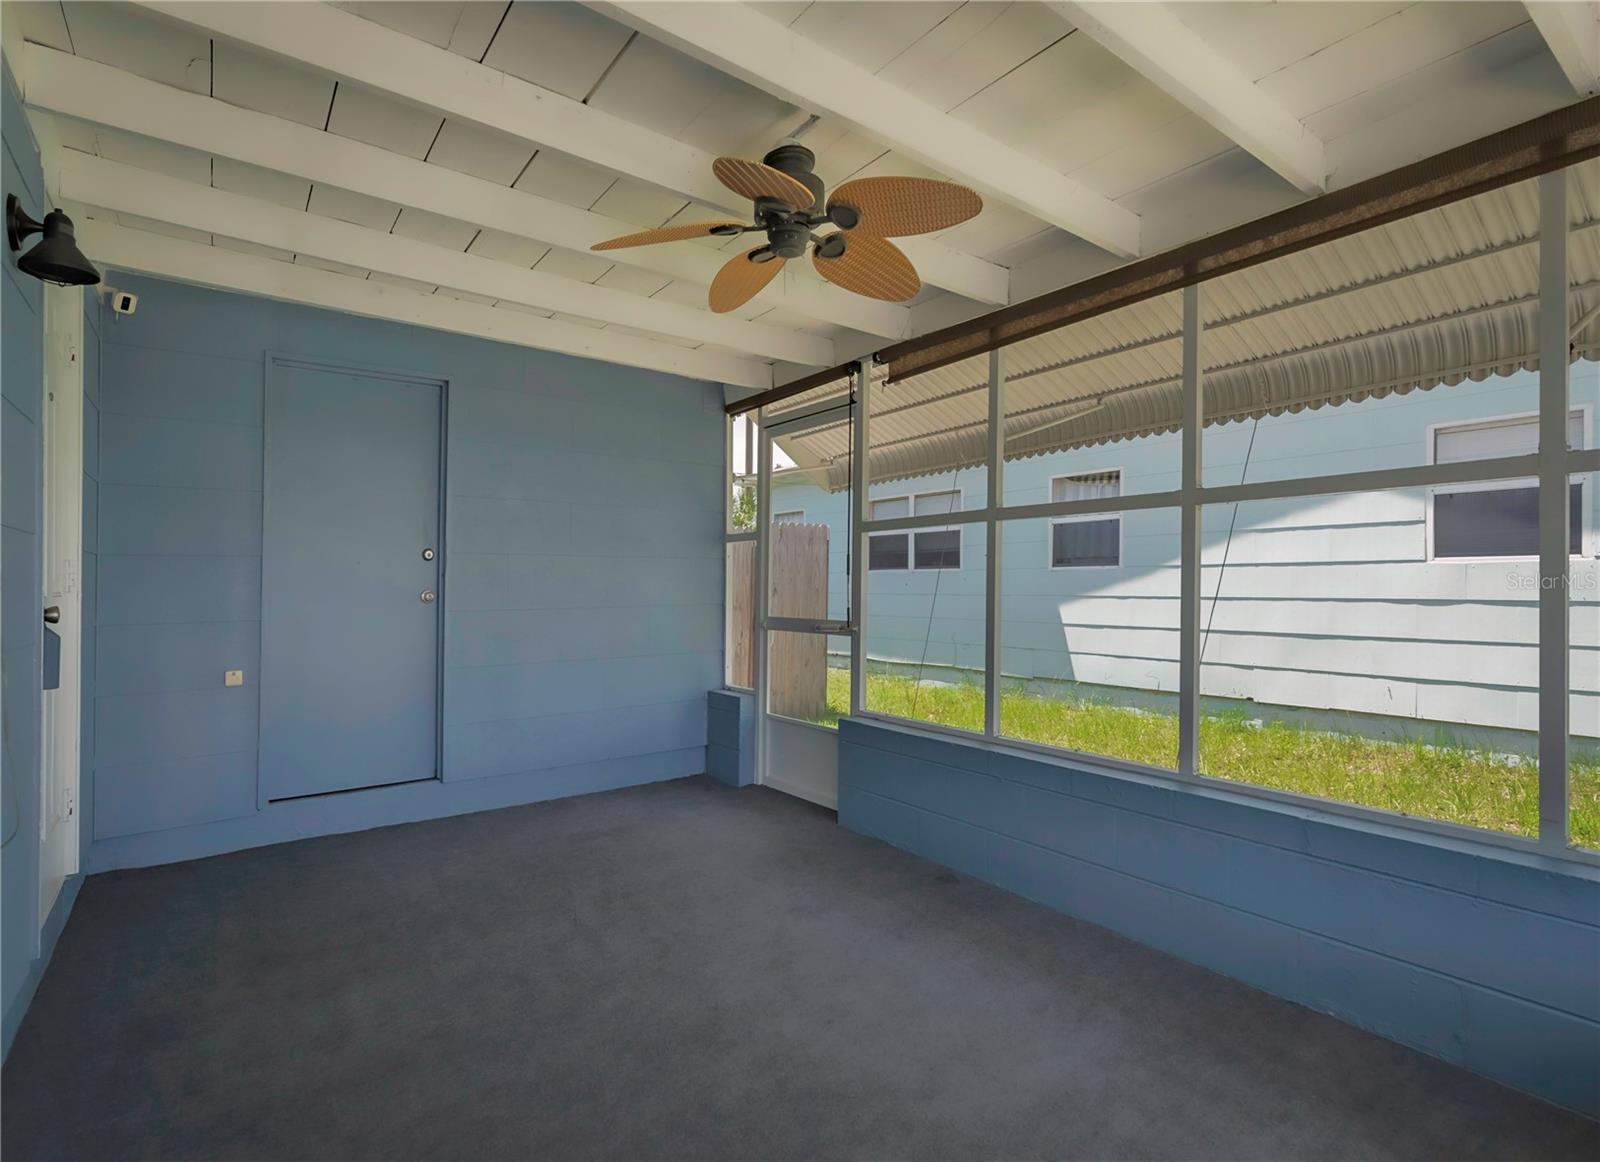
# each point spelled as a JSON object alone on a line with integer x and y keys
{"x": 669, "y": 234}
{"x": 892, "y": 207}
{"x": 741, "y": 279}
{"x": 870, "y": 266}
{"x": 752, "y": 179}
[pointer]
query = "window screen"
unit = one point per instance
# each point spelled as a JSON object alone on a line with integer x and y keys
{"x": 1086, "y": 486}
{"x": 939, "y": 549}
{"x": 938, "y": 502}
{"x": 1078, "y": 542}
{"x": 1085, "y": 542}
{"x": 1488, "y": 441}
{"x": 888, "y": 551}
{"x": 1496, "y": 522}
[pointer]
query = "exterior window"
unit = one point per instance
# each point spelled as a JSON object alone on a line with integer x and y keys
{"x": 797, "y": 517}
{"x": 1498, "y": 519}
{"x": 937, "y": 548}
{"x": 889, "y": 550}
{"x": 921, "y": 548}
{"x": 1078, "y": 542}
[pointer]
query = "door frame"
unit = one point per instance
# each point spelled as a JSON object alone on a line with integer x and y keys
{"x": 815, "y": 745}
{"x": 61, "y": 554}
{"x": 287, "y": 359}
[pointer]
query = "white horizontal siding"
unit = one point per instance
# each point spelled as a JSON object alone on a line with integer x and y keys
{"x": 1328, "y": 603}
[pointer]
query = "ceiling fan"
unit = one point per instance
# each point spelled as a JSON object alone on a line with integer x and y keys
{"x": 789, "y": 206}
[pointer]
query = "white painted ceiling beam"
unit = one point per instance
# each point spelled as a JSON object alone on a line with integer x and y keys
{"x": 740, "y": 41}
{"x": 342, "y": 45}
{"x": 112, "y": 185}
{"x": 1166, "y": 52}
{"x": 1572, "y": 32}
{"x": 78, "y": 87}
{"x": 120, "y": 248}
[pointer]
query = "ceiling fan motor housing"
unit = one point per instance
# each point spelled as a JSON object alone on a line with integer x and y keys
{"x": 798, "y": 162}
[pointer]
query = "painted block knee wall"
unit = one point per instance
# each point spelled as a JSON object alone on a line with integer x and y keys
{"x": 1490, "y": 960}
{"x": 582, "y": 590}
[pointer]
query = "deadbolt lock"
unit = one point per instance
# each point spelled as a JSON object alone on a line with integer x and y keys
{"x": 427, "y": 554}
{"x": 427, "y": 596}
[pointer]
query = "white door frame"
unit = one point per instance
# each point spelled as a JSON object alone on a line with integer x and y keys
{"x": 62, "y": 543}
{"x": 798, "y": 758}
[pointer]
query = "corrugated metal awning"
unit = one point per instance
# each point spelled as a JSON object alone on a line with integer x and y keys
{"x": 1428, "y": 301}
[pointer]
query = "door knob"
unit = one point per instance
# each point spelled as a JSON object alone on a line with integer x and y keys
{"x": 427, "y": 596}
{"x": 427, "y": 554}
{"x": 52, "y": 614}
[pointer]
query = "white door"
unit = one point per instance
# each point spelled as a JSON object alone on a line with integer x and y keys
{"x": 63, "y": 590}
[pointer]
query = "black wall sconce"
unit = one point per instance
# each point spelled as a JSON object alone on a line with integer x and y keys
{"x": 55, "y": 257}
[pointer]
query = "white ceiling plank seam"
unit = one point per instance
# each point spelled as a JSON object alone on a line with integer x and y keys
{"x": 121, "y": 248}
{"x": 76, "y": 87}
{"x": 1572, "y": 32}
{"x": 125, "y": 189}
{"x": 742, "y": 42}
{"x": 369, "y": 54}
{"x": 1151, "y": 40}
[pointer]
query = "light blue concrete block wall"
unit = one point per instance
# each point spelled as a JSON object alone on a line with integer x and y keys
{"x": 25, "y": 942}
{"x": 1487, "y": 959}
{"x": 731, "y": 737}
{"x": 582, "y": 589}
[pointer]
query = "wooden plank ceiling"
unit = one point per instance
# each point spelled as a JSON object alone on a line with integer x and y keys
{"x": 450, "y": 163}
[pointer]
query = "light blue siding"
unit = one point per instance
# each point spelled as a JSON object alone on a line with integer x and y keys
{"x": 1485, "y": 959}
{"x": 583, "y": 573}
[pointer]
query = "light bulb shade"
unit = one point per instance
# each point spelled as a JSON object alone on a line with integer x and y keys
{"x": 55, "y": 257}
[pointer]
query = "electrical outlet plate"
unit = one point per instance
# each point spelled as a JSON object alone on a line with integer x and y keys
{"x": 233, "y": 678}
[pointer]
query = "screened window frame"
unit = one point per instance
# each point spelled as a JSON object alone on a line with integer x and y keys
{"x": 1050, "y": 539}
{"x": 1586, "y": 532}
{"x": 1553, "y": 468}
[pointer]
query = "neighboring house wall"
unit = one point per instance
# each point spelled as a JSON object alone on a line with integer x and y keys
{"x": 583, "y": 594}
{"x": 1329, "y": 603}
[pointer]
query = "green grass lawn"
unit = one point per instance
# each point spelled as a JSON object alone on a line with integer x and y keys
{"x": 1453, "y": 783}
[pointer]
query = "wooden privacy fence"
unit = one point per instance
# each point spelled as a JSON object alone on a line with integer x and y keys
{"x": 798, "y": 587}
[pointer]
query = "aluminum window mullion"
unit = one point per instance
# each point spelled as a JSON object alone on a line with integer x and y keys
{"x": 1554, "y": 514}
{"x": 763, "y": 548}
{"x": 991, "y": 586}
{"x": 860, "y": 551}
{"x": 1189, "y": 548}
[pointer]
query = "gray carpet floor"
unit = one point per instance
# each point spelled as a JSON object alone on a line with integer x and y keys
{"x": 680, "y": 971}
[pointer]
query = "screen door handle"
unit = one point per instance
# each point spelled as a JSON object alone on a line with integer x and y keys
{"x": 52, "y": 614}
{"x": 427, "y": 596}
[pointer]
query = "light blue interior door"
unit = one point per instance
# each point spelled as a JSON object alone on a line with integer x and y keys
{"x": 350, "y": 577}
